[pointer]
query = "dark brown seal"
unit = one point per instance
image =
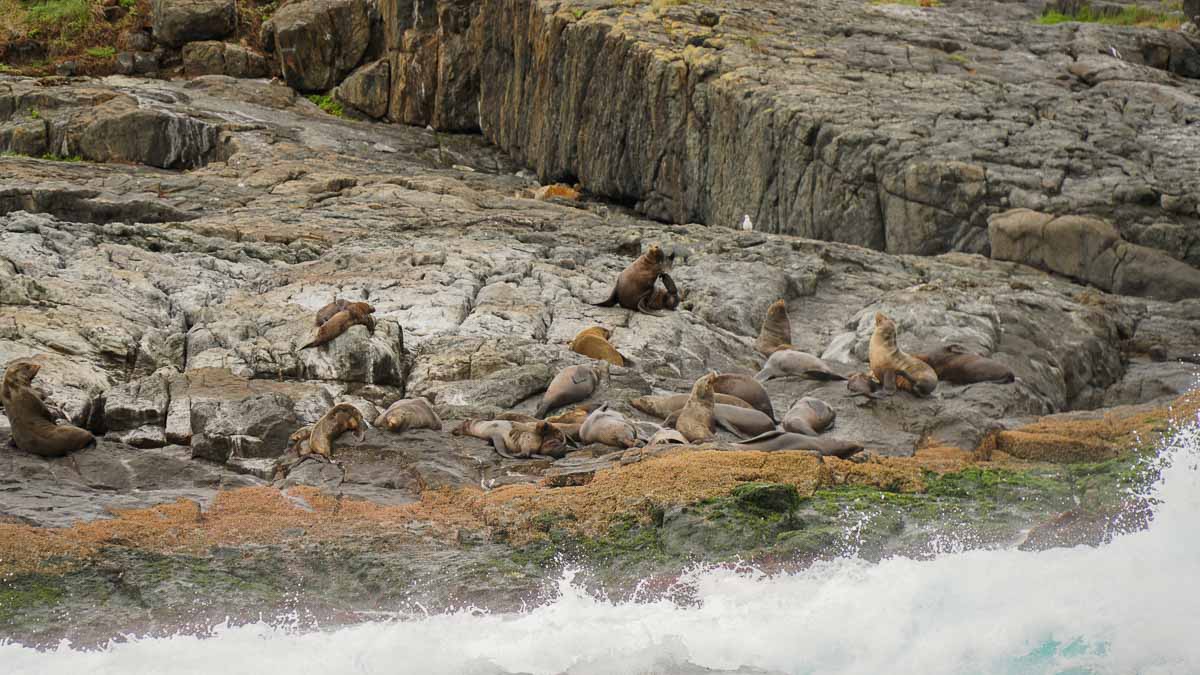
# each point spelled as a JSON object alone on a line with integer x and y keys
{"x": 33, "y": 427}
{"x": 665, "y": 298}
{"x": 746, "y": 388}
{"x": 863, "y": 384}
{"x": 776, "y": 332}
{"x": 354, "y": 313}
{"x": 326, "y": 313}
{"x": 338, "y": 420}
{"x": 888, "y": 361}
{"x": 635, "y": 284}
{"x": 956, "y": 365}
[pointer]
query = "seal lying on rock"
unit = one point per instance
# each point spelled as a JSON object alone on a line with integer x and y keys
{"x": 608, "y": 427}
{"x": 956, "y": 365}
{"x": 786, "y": 440}
{"x": 571, "y": 385}
{"x": 353, "y": 313}
{"x": 635, "y": 284}
{"x": 662, "y": 406}
{"x": 33, "y": 427}
{"x": 862, "y": 384}
{"x": 888, "y": 361}
{"x": 338, "y": 420}
{"x": 326, "y": 313}
{"x": 808, "y": 416}
{"x": 409, "y": 413}
{"x": 792, "y": 363}
{"x": 593, "y": 343}
{"x": 568, "y": 423}
{"x": 776, "y": 332}
{"x": 517, "y": 440}
{"x": 746, "y": 388}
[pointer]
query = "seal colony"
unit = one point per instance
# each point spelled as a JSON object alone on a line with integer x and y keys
{"x": 717, "y": 403}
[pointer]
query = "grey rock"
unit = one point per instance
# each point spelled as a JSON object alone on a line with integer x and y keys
{"x": 319, "y": 42}
{"x": 176, "y": 22}
{"x": 221, "y": 58}
{"x": 367, "y": 89}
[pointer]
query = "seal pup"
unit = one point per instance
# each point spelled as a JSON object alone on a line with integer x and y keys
{"x": 635, "y": 284}
{"x": 354, "y": 313}
{"x": 696, "y": 419}
{"x": 33, "y": 427}
{"x": 786, "y": 440}
{"x": 776, "y": 331}
{"x": 662, "y": 406}
{"x": 568, "y": 423}
{"x": 791, "y": 363}
{"x": 665, "y": 298}
{"x": 608, "y": 427}
{"x": 808, "y": 416}
{"x": 571, "y": 385}
{"x": 888, "y": 361}
{"x": 956, "y": 365}
{"x": 338, "y": 420}
{"x": 517, "y": 440}
{"x": 409, "y": 413}
{"x": 862, "y": 384}
{"x": 746, "y": 388}
{"x": 667, "y": 437}
{"x": 593, "y": 343}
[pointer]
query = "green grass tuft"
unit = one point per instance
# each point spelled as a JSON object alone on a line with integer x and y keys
{"x": 1134, "y": 15}
{"x": 326, "y": 103}
{"x": 70, "y": 16}
{"x": 102, "y": 52}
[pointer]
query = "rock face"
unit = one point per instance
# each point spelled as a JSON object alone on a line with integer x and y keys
{"x": 176, "y": 22}
{"x": 221, "y": 58}
{"x": 1091, "y": 251}
{"x": 319, "y": 42}
{"x": 367, "y": 89}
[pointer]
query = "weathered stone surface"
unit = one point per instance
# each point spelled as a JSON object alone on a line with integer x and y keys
{"x": 175, "y": 22}
{"x": 222, "y": 58}
{"x": 367, "y": 89}
{"x": 1091, "y": 251}
{"x": 318, "y": 42}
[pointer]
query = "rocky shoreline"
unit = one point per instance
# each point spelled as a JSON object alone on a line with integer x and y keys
{"x": 165, "y": 283}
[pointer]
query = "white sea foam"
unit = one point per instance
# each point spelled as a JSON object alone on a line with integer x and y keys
{"x": 1132, "y": 606}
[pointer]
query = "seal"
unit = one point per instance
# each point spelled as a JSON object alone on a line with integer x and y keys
{"x": 746, "y": 388}
{"x": 741, "y": 422}
{"x": 354, "y": 313}
{"x": 593, "y": 343}
{"x": 696, "y": 420}
{"x": 862, "y": 384}
{"x": 517, "y": 440}
{"x": 791, "y": 363}
{"x": 571, "y": 385}
{"x": 33, "y": 427}
{"x": 409, "y": 413}
{"x": 888, "y": 361}
{"x": 338, "y": 420}
{"x": 808, "y": 416}
{"x": 635, "y": 284}
{"x": 608, "y": 427}
{"x": 776, "y": 331}
{"x": 665, "y": 298}
{"x": 662, "y": 406}
{"x": 956, "y": 365}
{"x": 667, "y": 437}
{"x": 326, "y": 313}
{"x": 786, "y": 440}
{"x": 568, "y": 423}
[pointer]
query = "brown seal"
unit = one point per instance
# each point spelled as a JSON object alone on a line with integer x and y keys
{"x": 608, "y": 427}
{"x": 741, "y": 422}
{"x": 667, "y": 297}
{"x": 746, "y": 388}
{"x": 568, "y": 423}
{"x": 776, "y": 332}
{"x": 326, "y": 313}
{"x": 792, "y": 363}
{"x": 354, "y": 313}
{"x": 662, "y": 406}
{"x": 956, "y": 365}
{"x": 33, "y": 427}
{"x": 517, "y": 440}
{"x": 808, "y": 416}
{"x": 338, "y": 420}
{"x": 593, "y": 343}
{"x": 863, "y": 384}
{"x": 888, "y": 361}
{"x": 635, "y": 284}
{"x": 786, "y": 440}
{"x": 571, "y": 385}
{"x": 667, "y": 437}
{"x": 409, "y": 413}
{"x": 696, "y": 419}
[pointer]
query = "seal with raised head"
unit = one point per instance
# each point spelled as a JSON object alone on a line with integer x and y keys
{"x": 571, "y": 385}
{"x": 662, "y": 406}
{"x": 792, "y": 363}
{"x": 354, "y": 313}
{"x": 888, "y": 362}
{"x": 785, "y": 440}
{"x": 338, "y": 420}
{"x": 33, "y": 427}
{"x": 746, "y": 388}
{"x": 608, "y": 427}
{"x": 409, "y": 413}
{"x": 635, "y": 284}
{"x": 593, "y": 343}
{"x": 776, "y": 331}
{"x": 808, "y": 416}
{"x": 517, "y": 440}
{"x": 956, "y": 365}
{"x": 696, "y": 420}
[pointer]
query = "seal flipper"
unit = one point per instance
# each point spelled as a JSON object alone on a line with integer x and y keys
{"x": 729, "y": 427}
{"x": 612, "y": 300}
{"x": 641, "y": 304}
